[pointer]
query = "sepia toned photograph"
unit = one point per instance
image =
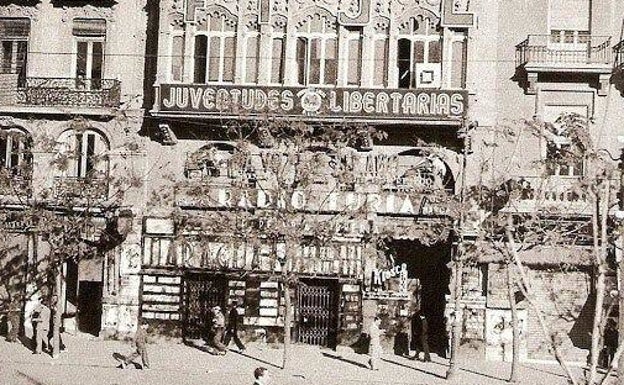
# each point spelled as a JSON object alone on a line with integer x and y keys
{"x": 311, "y": 192}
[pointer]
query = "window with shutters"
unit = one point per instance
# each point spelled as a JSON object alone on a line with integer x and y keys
{"x": 317, "y": 51}
{"x": 15, "y": 150}
{"x": 14, "y": 34}
{"x": 353, "y": 54}
{"x": 278, "y": 50}
{"x": 252, "y": 52}
{"x": 419, "y": 45}
{"x": 569, "y": 22}
{"x": 89, "y": 44}
{"x": 215, "y": 49}
{"x": 85, "y": 152}
{"x": 381, "y": 46}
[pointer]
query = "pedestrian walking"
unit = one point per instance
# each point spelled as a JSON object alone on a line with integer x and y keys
{"x": 610, "y": 342}
{"x": 218, "y": 325}
{"x": 140, "y": 343}
{"x": 261, "y": 375}
{"x": 54, "y": 308}
{"x": 374, "y": 346}
{"x": 41, "y": 325}
{"x": 231, "y": 332}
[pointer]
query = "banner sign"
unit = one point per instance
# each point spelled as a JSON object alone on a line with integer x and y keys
{"x": 391, "y": 203}
{"x": 418, "y": 104}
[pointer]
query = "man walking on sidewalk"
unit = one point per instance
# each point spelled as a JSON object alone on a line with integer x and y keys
{"x": 140, "y": 342}
{"x": 232, "y": 328}
{"x": 41, "y": 325}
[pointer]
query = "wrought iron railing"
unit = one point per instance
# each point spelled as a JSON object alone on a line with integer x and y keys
{"x": 618, "y": 52}
{"x": 80, "y": 188}
{"x": 582, "y": 50}
{"x": 68, "y": 92}
{"x": 553, "y": 193}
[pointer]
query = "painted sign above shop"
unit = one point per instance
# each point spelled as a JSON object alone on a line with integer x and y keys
{"x": 389, "y": 202}
{"x": 398, "y": 104}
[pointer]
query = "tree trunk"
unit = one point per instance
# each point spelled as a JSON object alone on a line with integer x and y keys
{"x": 525, "y": 287}
{"x": 287, "y": 321}
{"x": 513, "y": 376}
{"x": 56, "y": 311}
{"x": 599, "y": 236}
{"x": 457, "y": 319}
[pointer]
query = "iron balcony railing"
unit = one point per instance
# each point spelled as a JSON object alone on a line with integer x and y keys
{"x": 579, "y": 50}
{"x": 618, "y": 51}
{"x": 80, "y": 188}
{"x": 59, "y": 92}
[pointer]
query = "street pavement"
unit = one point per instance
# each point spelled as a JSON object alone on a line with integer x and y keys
{"x": 89, "y": 361}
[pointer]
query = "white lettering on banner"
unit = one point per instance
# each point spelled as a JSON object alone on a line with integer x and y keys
{"x": 383, "y": 203}
{"x": 423, "y": 103}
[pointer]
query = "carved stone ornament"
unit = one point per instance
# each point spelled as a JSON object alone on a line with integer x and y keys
{"x": 176, "y": 20}
{"x": 88, "y": 11}
{"x": 13, "y": 10}
{"x": 280, "y": 6}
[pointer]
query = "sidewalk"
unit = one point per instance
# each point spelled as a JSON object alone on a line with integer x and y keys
{"x": 89, "y": 362}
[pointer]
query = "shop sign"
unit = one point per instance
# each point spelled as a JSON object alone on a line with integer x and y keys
{"x": 419, "y": 104}
{"x": 400, "y": 203}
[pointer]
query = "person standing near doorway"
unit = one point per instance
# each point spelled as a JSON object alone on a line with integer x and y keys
{"x": 140, "y": 343}
{"x": 374, "y": 346}
{"x": 424, "y": 338}
{"x": 232, "y": 328}
{"x": 218, "y": 325}
{"x": 41, "y": 326}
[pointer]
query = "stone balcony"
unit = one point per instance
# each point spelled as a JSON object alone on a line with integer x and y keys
{"x": 59, "y": 95}
{"x": 78, "y": 190}
{"x": 581, "y": 57}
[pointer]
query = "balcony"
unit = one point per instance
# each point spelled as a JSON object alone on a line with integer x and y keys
{"x": 584, "y": 55}
{"x": 553, "y": 195}
{"x": 79, "y": 189}
{"x": 618, "y": 66}
{"x": 14, "y": 188}
{"x": 59, "y": 95}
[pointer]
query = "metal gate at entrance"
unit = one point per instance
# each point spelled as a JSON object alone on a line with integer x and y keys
{"x": 317, "y": 320}
{"x": 201, "y": 293}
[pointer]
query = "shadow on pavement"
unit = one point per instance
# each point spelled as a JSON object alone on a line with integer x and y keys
{"x": 340, "y": 358}
{"x": 413, "y": 368}
{"x": 30, "y": 379}
{"x": 544, "y": 371}
{"x": 257, "y": 359}
{"x": 482, "y": 374}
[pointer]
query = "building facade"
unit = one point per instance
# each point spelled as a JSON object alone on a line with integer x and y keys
{"x": 72, "y": 91}
{"x": 441, "y": 78}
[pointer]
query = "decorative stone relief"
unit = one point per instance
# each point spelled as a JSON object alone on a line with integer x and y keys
{"x": 461, "y": 5}
{"x": 252, "y": 6}
{"x": 13, "y": 10}
{"x": 176, "y": 20}
{"x": 130, "y": 261}
{"x": 280, "y": 6}
{"x": 217, "y": 11}
{"x": 317, "y": 13}
{"x": 382, "y": 7}
{"x": 88, "y": 11}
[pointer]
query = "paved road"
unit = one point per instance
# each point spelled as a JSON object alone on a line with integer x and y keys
{"x": 90, "y": 362}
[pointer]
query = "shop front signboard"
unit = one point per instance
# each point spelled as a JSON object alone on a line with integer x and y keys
{"x": 311, "y": 102}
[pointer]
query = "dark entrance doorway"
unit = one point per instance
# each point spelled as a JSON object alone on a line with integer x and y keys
{"x": 90, "y": 307}
{"x": 429, "y": 265}
{"x": 201, "y": 293}
{"x": 317, "y": 311}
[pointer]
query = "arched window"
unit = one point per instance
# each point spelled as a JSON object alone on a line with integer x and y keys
{"x": 278, "y": 50}
{"x": 381, "y": 46}
{"x": 215, "y": 49}
{"x": 252, "y": 51}
{"x": 419, "y": 53}
{"x": 221, "y": 161}
{"x": 15, "y": 150}
{"x": 83, "y": 154}
{"x": 317, "y": 51}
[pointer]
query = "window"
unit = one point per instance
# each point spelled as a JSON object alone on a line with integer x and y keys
{"x": 278, "y": 52}
{"x": 569, "y": 21}
{"x": 15, "y": 150}
{"x": 89, "y": 39}
{"x": 458, "y": 60}
{"x": 561, "y": 157}
{"x": 419, "y": 45}
{"x": 215, "y": 50}
{"x": 252, "y": 54}
{"x": 354, "y": 56}
{"x": 14, "y": 33}
{"x": 177, "y": 58}
{"x": 86, "y": 152}
{"x": 380, "y": 58}
{"x": 317, "y": 52}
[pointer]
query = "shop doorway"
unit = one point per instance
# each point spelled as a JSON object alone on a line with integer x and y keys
{"x": 317, "y": 312}
{"x": 201, "y": 293}
{"x": 90, "y": 305}
{"x": 429, "y": 265}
